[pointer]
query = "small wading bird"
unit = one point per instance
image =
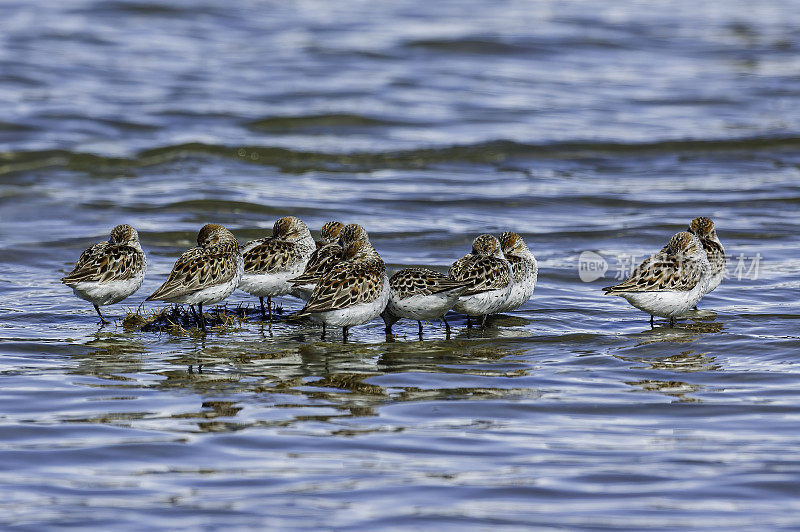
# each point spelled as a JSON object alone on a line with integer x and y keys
{"x": 270, "y": 263}
{"x": 489, "y": 279}
{"x": 670, "y": 282}
{"x": 324, "y": 259}
{"x": 523, "y": 267}
{"x": 206, "y": 274}
{"x": 327, "y": 254}
{"x": 110, "y": 271}
{"x": 421, "y": 294}
{"x": 329, "y": 233}
{"x": 354, "y": 291}
{"x": 703, "y": 228}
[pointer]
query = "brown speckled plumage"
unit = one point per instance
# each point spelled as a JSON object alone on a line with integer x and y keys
{"x": 513, "y": 247}
{"x": 672, "y": 268}
{"x": 326, "y": 257}
{"x": 345, "y": 286}
{"x": 271, "y": 255}
{"x": 321, "y": 261}
{"x": 357, "y": 279}
{"x": 114, "y": 260}
{"x": 519, "y": 267}
{"x": 421, "y": 281}
{"x": 484, "y": 268}
{"x": 351, "y": 233}
{"x": 329, "y": 233}
{"x": 703, "y": 228}
{"x": 280, "y": 251}
{"x": 213, "y": 262}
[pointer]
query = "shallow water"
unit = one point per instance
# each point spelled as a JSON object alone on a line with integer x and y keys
{"x": 428, "y": 123}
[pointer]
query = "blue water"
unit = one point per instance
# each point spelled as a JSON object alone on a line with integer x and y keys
{"x": 582, "y": 126}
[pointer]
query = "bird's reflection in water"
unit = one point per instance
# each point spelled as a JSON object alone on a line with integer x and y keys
{"x": 687, "y": 361}
{"x": 323, "y": 381}
{"x": 686, "y": 330}
{"x": 111, "y": 356}
{"x": 507, "y": 320}
{"x": 676, "y": 389}
{"x": 292, "y": 381}
{"x": 212, "y": 410}
{"x": 655, "y": 350}
{"x": 439, "y": 355}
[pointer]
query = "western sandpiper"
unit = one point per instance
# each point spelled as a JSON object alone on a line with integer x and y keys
{"x": 421, "y": 294}
{"x": 270, "y": 263}
{"x": 110, "y": 271}
{"x": 670, "y": 282}
{"x": 524, "y": 269}
{"x": 703, "y": 228}
{"x": 326, "y": 257}
{"x": 329, "y": 233}
{"x": 323, "y": 258}
{"x": 206, "y": 274}
{"x": 489, "y": 276}
{"x": 354, "y": 292}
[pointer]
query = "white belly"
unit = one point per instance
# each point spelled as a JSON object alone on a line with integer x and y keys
{"x": 667, "y": 304}
{"x": 521, "y": 292}
{"x": 212, "y": 294}
{"x": 270, "y": 284}
{"x": 357, "y": 314}
{"x": 303, "y": 291}
{"x": 423, "y": 307}
{"x": 110, "y": 292}
{"x": 483, "y": 303}
{"x": 715, "y": 281}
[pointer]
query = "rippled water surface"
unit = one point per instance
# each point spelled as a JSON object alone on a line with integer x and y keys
{"x": 583, "y": 126}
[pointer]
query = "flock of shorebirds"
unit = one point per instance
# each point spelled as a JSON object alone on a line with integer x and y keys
{"x": 343, "y": 279}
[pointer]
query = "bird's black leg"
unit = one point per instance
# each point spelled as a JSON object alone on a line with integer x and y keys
{"x": 102, "y": 319}
{"x": 672, "y": 322}
{"x": 651, "y": 321}
{"x": 344, "y": 333}
{"x": 483, "y": 321}
{"x": 202, "y": 319}
{"x": 446, "y": 326}
{"x": 269, "y": 307}
{"x": 263, "y": 312}
{"x": 469, "y": 322}
{"x": 420, "y": 329}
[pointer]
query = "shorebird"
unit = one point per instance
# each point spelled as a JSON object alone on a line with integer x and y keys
{"x": 523, "y": 267}
{"x": 329, "y": 233}
{"x": 108, "y": 272}
{"x": 421, "y": 294}
{"x": 327, "y": 254}
{"x": 670, "y": 282}
{"x": 353, "y": 292}
{"x": 489, "y": 277}
{"x": 326, "y": 258}
{"x": 270, "y": 263}
{"x": 206, "y": 274}
{"x": 703, "y": 228}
